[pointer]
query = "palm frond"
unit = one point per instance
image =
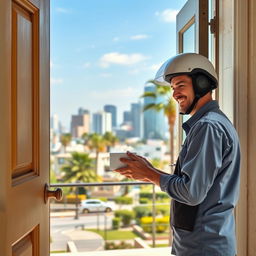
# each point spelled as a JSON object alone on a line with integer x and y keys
{"x": 148, "y": 94}
{"x": 149, "y": 106}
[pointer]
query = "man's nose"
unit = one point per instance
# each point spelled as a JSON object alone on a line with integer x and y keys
{"x": 174, "y": 93}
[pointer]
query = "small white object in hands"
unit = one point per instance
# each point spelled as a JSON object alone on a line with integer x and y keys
{"x": 115, "y": 162}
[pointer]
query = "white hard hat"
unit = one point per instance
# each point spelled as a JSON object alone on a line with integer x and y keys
{"x": 201, "y": 70}
{"x": 186, "y": 63}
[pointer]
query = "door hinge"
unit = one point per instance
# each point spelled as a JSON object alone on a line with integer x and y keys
{"x": 213, "y": 25}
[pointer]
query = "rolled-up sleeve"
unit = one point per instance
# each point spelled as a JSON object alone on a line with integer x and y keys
{"x": 199, "y": 166}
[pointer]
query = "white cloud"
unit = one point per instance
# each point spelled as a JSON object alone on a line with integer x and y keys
{"x": 62, "y": 10}
{"x": 86, "y": 65}
{"x": 139, "y": 37}
{"x": 115, "y": 39}
{"x": 121, "y": 59}
{"x": 168, "y": 15}
{"x": 56, "y": 81}
{"x": 51, "y": 64}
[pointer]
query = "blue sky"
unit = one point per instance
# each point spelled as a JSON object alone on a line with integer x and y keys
{"x": 104, "y": 51}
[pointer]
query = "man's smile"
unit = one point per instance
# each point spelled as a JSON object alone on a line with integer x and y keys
{"x": 180, "y": 99}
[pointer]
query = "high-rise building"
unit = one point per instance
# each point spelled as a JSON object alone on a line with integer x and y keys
{"x": 80, "y": 123}
{"x": 82, "y": 111}
{"x": 55, "y": 124}
{"x": 102, "y": 122}
{"x": 154, "y": 122}
{"x": 127, "y": 117}
{"x": 136, "y": 119}
{"x": 112, "y": 109}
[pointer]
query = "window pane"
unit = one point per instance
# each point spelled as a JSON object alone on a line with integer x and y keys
{"x": 189, "y": 39}
{"x": 188, "y": 46}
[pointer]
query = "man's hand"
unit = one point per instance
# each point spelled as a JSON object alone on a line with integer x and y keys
{"x": 139, "y": 168}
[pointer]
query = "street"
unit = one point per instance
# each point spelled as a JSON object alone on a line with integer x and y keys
{"x": 64, "y": 229}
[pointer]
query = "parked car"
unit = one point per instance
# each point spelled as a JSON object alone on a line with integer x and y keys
{"x": 94, "y": 205}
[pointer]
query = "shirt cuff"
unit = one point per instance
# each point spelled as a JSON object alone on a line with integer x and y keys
{"x": 164, "y": 181}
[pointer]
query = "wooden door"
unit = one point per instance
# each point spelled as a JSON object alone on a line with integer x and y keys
{"x": 24, "y": 127}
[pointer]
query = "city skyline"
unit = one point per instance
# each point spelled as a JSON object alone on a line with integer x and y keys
{"x": 133, "y": 123}
{"x": 106, "y": 56}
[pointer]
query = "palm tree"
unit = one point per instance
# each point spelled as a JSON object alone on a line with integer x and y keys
{"x": 110, "y": 139}
{"x": 97, "y": 143}
{"x": 65, "y": 140}
{"x": 79, "y": 169}
{"x": 168, "y": 106}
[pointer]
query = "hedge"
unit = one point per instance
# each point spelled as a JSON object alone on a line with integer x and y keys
{"x": 162, "y": 224}
{"x": 149, "y": 195}
{"x": 116, "y": 223}
{"x": 141, "y": 211}
{"x": 71, "y": 199}
{"x": 125, "y": 215}
{"x": 123, "y": 200}
{"x": 143, "y": 200}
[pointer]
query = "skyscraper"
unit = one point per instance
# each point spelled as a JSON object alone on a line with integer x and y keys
{"x": 55, "y": 124}
{"x": 102, "y": 122}
{"x": 136, "y": 119}
{"x": 127, "y": 117}
{"x": 80, "y": 123}
{"x": 154, "y": 122}
{"x": 112, "y": 109}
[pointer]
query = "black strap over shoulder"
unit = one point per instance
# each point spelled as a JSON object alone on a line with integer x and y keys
{"x": 183, "y": 216}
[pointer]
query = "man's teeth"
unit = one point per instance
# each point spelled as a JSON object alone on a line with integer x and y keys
{"x": 180, "y": 100}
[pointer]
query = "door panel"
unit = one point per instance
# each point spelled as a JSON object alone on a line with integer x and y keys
{"x": 24, "y": 91}
{"x": 28, "y": 245}
{"x": 24, "y": 130}
{"x": 192, "y": 36}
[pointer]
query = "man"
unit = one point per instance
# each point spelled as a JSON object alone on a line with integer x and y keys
{"x": 205, "y": 183}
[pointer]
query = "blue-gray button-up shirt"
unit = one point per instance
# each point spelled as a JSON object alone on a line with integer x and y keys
{"x": 210, "y": 164}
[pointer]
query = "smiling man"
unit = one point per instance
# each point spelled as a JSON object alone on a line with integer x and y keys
{"x": 205, "y": 183}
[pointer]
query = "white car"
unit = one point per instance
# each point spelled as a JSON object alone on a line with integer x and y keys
{"x": 94, "y": 205}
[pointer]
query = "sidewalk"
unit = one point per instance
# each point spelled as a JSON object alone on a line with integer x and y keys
{"x": 62, "y": 214}
{"x": 83, "y": 240}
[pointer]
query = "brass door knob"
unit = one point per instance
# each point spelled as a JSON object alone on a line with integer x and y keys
{"x": 57, "y": 193}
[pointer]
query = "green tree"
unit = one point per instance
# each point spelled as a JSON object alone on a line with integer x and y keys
{"x": 53, "y": 178}
{"x": 65, "y": 140}
{"x": 96, "y": 143}
{"x": 79, "y": 169}
{"x": 110, "y": 140}
{"x": 167, "y": 105}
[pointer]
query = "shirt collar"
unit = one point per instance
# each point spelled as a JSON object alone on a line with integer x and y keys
{"x": 209, "y": 106}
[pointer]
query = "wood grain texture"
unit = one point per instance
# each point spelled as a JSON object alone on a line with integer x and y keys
{"x": 25, "y": 83}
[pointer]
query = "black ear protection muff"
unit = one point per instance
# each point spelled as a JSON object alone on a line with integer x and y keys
{"x": 201, "y": 84}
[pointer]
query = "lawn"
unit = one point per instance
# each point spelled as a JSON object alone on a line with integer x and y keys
{"x": 115, "y": 234}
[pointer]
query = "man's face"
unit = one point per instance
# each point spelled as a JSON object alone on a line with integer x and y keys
{"x": 183, "y": 91}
